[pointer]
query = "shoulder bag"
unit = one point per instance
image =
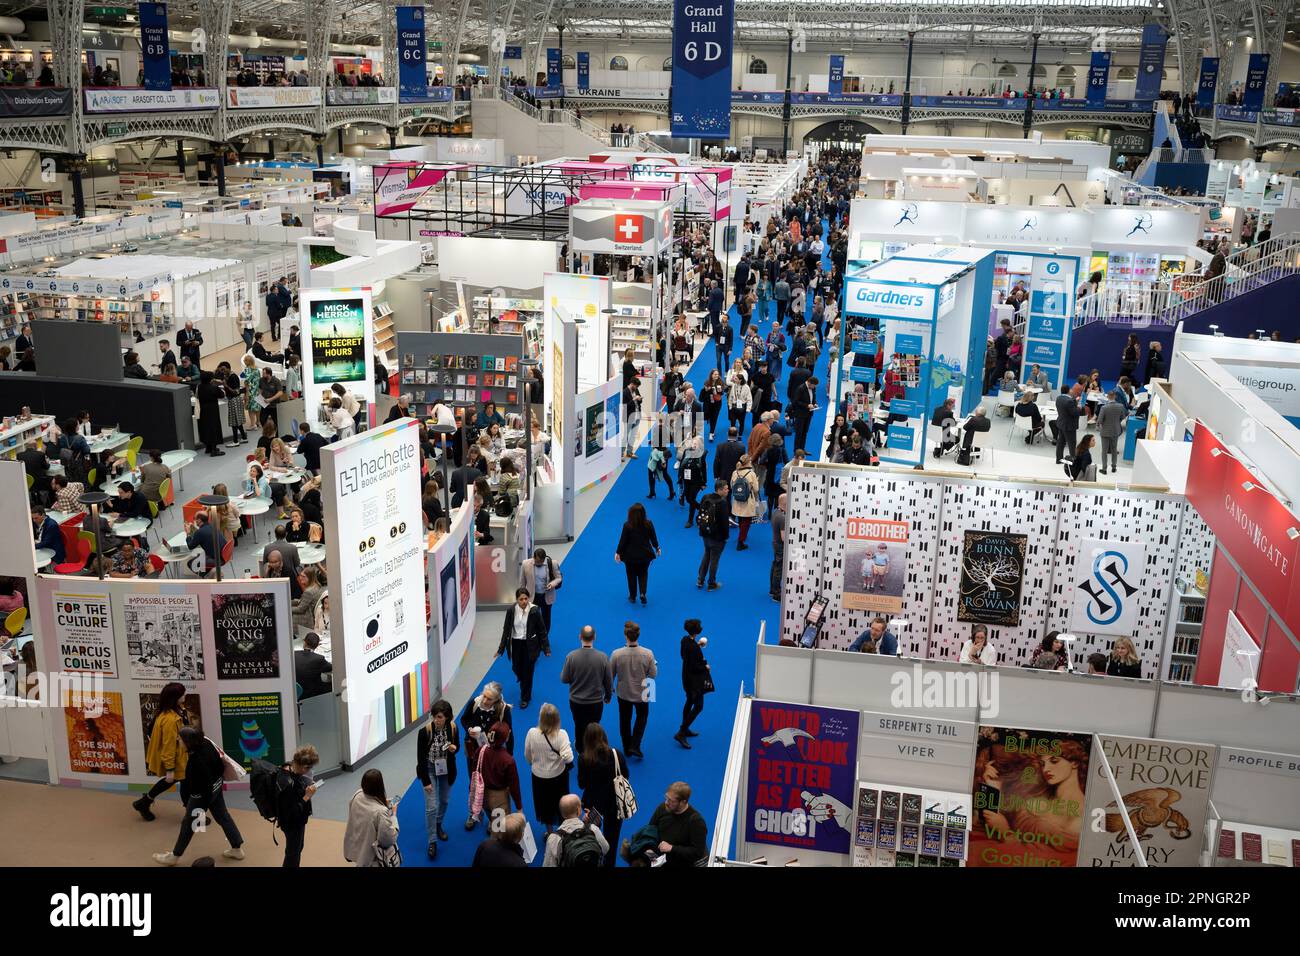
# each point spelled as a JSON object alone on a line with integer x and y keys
{"x": 624, "y": 798}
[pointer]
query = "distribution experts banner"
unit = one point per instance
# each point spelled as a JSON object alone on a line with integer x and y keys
{"x": 1098, "y": 77}
{"x": 803, "y": 764}
{"x": 412, "y": 80}
{"x": 1208, "y": 83}
{"x": 154, "y": 48}
{"x": 701, "y": 90}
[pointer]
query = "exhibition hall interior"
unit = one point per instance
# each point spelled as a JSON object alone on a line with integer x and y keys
{"x": 586, "y": 433}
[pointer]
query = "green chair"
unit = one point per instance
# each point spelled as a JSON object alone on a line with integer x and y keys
{"x": 133, "y": 450}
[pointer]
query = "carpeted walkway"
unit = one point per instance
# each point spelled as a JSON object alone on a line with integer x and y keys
{"x": 595, "y": 593}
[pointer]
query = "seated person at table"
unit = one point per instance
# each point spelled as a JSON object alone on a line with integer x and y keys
{"x": 152, "y": 474}
{"x": 168, "y": 374}
{"x": 107, "y": 542}
{"x": 879, "y": 635}
{"x": 488, "y": 415}
{"x": 297, "y": 530}
{"x": 201, "y": 534}
{"x": 260, "y": 351}
{"x": 310, "y": 502}
{"x": 858, "y": 452}
{"x": 37, "y": 465}
{"x": 309, "y": 446}
{"x": 268, "y": 435}
{"x": 401, "y": 409}
{"x": 72, "y": 441}
{"x": 304, "y": 609}
{"x": 11, "y": 598}
{"x": 1038, "y": 379}
{"x": 256, "y": 484}
{"x": 310, "y": 668}
{"x": 129, "y": 503}
{"x": 130, "y": 561}
{"x": 1028, "y": 408}
{"x": 46, "y": 534}
{"x": 288, "y": 552}
{"x": 274, "y": 567}
{"x": 978, "y": 422}
{"x": 67, "y": 495}
{"x": 945, "y": 417}
{"x": 131, "y": 367}
{"x": 187, "y": 371}
{"x": 279, "y": 456}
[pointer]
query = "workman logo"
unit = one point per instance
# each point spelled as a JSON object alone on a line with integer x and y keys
{"x": 1109, "y": 588}
{"x": 1142, "y": 223}
{"x": 908, "y": 212}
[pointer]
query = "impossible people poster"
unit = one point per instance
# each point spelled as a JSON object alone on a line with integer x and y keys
{"x": 162, "y": 636}
{"x": 803, "y": 764}
{"x": 992, "y": 572}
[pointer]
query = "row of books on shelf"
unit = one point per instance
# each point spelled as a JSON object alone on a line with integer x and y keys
{"x": 1191, "y": 613}
{"x": 423, "y": 402}
{"x": 1186, "y": 645}
{"x": 1182, "y": 671}
{"x": 470, "y": 363}
{"x": 420, "y": 376}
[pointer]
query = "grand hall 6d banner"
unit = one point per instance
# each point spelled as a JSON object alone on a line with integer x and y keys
{"x": 701, "y": 97}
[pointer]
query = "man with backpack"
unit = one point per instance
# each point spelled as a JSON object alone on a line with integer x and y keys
{"x": 575, "y": 843}
{"x": 283, "y": 796}
{"x": 714, "y": 521}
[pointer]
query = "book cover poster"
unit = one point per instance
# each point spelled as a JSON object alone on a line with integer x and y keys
{"x": 613, "y": 406}
{"x": 1166, "y": 789}
{"x": 1029, "y": 797}
{"x": 449, "y": 599}
{"x": 162, "y": 636}
{"x": 244, "y": 630}
{"x": 337, "y": 327}
{"x": 96, "y": 733}
{"x": 149, "y": 710}
{"x": 464, "y": 581}
{"x": 252, "y": 728}
{"x": 992, "y": 571}
{"x": 595, "y": 430}
{"x": 875, "y": 564}
{"x": 803, "y": 785}
{"x": 83, "y": 626}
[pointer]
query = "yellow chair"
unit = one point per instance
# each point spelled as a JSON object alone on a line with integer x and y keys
{"x": 91, "y": 475}
{"x": 153, "y": 520}
{"x": 133, "y": 450}
{"x": 31, "y": 480}
{"x": 89, "y": 538}
{"x": 15, "y": 620}
{"x": 165, "y": 492}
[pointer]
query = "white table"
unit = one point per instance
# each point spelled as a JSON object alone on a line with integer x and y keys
{"x": 176, "y": 552}
{"x": 283, "y": 477}
{"x": 310, "y": 552}
{"x": 176, "y": 461}
{"x": 105, "y": 443}
{"x": 43, "y": 557}
{"x": 130, "y": 527}
{"x": 251, "y": 508}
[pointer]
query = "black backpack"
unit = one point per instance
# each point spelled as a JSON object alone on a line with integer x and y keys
{"x": 708, "y": 519}
{"x": 579, "y": 848}
{"x": 264, "y": 788}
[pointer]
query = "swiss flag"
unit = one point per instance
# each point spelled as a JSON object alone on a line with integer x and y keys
{"x": 628, "y": 228}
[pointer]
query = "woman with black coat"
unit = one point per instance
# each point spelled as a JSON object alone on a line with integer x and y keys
{"x": 638, "y": 545}
{"x": 598, "y": 764}
{"x": 1131, "y": 356}
{"x": 210, "y": 395}
{"x": 204, "y": 770}
{"x": 760, "y": 388}
{"x": 695, "y": 679}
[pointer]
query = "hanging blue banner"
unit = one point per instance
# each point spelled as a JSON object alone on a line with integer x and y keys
{"x": 554, "y": 72}
{"x": 584, "y": 71}
{"x": 154, "y": 48}
{"x": 1208, "y": 83}
{"x": 1098, "y": 78}
{"x": 836, "y": 84}
{"x": 701, "y": 93}
{"x": 1256, "y": 76}
{"x": 412, "y": 80}
{"x": 1151, "y": 62}
{"x": 514, "y": 53}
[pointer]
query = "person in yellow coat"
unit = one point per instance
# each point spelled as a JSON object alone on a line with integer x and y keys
{"x": 166, "y": 756}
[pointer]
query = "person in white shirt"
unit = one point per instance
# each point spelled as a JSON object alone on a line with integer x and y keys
{"x": 247, "y": 324}
{"x": 574, "y": 820}
{"x": 343, "y": 424}
{"x": 978, "y": 649}
{"x": 550, "y": 754}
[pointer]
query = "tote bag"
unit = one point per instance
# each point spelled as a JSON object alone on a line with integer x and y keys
{"x": 624, "y": 797}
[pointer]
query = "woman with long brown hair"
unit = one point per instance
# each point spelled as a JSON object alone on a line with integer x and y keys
{"x": 638, "y": 545}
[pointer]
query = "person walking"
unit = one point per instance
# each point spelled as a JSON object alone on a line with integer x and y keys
{"x": 370, "y": 837}
{"x": 715, "y": 528}
{"x": 500, "y": 775}
{"x": 550, "y": 755}
{"x": 781, "y": 292}
{"x": 1130, "y": 357}
{"x": 740, "y": 397}
{"x": 523, "y": 640}
{"x": 1110, "y": 425}
{"x": 540, "y": 578}
{"x": 711, "y": 396}
{"x": 657, "y": 467}
{"x": 166, "y": 756}
{"x": 591, "y": 682}
{"x": 803, "y": 402}
{"x": 575, "y": 842}
{"x": 744, "y": 499}
{"x": 694, "y": 466}
{"x": 777, "y": 571}
{"x": 638, "y": 545}
{"x": 633, "y": 668}
{"x": 696, "y": 680}
{"x": 599, "y": 765}
{"x": 724, "y": 337}
{"x": 479, "y": 715}
{"x": 1066, "y": 426}
{"x": 203, "y": 789}
{"x": 435, "y": 767}
{"x": 295, "y": 787}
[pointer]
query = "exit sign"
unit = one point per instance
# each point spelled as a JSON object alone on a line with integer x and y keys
{"x": 115, "y": 129}
{"x": 115, "y": 12}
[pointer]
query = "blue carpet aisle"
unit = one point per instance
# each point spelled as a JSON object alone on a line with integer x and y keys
{"x": 595, "y": 593}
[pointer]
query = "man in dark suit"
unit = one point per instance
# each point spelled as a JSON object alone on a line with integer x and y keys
{"x": 742, "y": 276}
{"x": 37, "y": 465}
{"x": 310, "y": 668}
{"x": 463, "y": 478}
{"x": 802, "y": 403}
{"x": 1066, "y": 426}
{"x": 189, "y": 340}
{"x": 309, "y": 445}
{"x": 274, "y": 310}
{"x": 523, "y": 638}
{"x": 728, "y": 455}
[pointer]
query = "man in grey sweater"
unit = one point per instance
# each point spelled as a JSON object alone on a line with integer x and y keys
{"x": 587, "y": 672}
{"x": 1110, "y": 423}
{"x": 633, "y": 667}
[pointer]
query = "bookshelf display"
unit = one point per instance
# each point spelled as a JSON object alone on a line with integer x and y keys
{"x": 150, "y": 315}
{"x": 385, "y": 334}
{"x": 630, "y": 328}
{"x": 459, "y": 369}
{"x": 514, "y": 316}
{"x": 1185, "y": 645}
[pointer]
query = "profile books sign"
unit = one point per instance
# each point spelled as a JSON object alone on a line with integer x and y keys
{"x": 802, "y": 784}
{"x": 701, "y": 84}
{"x": 412, "y": 80}
{"x": 992, "y": 572}
{"x": 154, "y": 49}
{"x": 1166, "y": 789}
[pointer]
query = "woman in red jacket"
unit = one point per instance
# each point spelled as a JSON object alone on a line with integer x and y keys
{"x": 500, "y": 775}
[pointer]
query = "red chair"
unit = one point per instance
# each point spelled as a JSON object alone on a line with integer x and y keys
{"x": 158, "y": 564}
{"x": 227, "y": 551}
{"x": 190, "y": 509}
{"x": 70, "y": 530}
{"x": 79, "y": 553}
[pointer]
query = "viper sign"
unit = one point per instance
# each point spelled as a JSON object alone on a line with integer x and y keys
{"x": 1108, "y": 587}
